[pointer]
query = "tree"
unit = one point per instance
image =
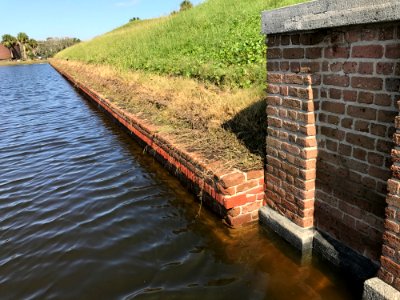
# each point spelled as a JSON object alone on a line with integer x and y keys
{"x": 185, "y": 5}
{"x": 10, "y": 42}
{"x": 23, "y": 39}
{"x": 134, "y": 19}
{"x": 32, "y": 46}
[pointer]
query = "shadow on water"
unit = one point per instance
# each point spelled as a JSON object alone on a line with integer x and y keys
{"x": 249, "y": 125}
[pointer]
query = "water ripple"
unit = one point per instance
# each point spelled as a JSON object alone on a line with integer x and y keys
{"x": 84, "y": 214}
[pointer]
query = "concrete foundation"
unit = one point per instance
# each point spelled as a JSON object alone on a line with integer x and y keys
{"x": 376, "y": 289}
{"x": 300, "y": 238}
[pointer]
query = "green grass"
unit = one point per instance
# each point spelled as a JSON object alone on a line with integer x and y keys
{"x": 216, "y": 42}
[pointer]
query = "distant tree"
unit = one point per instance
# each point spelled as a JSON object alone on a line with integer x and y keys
{"x": 52, "y": 45}
{"x": 10, "y": 42}
{"x": 134, "y": 19}
{"x": 185, "y": 5}
{"x": 32, "y": 47}
{"x": 23, "y": 39}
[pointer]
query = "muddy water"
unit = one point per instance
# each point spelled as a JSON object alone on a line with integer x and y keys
{"x": 84, "y": 214}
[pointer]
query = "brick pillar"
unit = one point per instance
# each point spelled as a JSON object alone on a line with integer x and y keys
{"x": 291, "y": 141}
{"x": 389, "y": 272}
{"x": 390, "y": 259}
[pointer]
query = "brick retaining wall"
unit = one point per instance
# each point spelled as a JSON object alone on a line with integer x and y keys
{"x": 234, "y": 195}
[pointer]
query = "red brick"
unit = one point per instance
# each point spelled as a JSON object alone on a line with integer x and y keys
{"x": 336, "y": 80}
{"x": 362, "y": 126}
{"x": 350, "y": 67}
{"x": 239, "y": 220}
{"x": 369, "y": 34}
{"x": 333, "y": 133}
{"x": 284, "y": 66}
{"x": 234, "y": 212}
{"x": 384, "y": 68}
{"x": 335, "y": 93}
{"x": 386, "y": 33}
{"x": 367, "y": 83}
{"x": 350, "y": 95}
{"x": 232, "y": 179}
{"x": 392, "y": 84}
{"x": 385, "y": 276}
{"x": 377, "y": 129}
{"x": 337, "y": 52}
{"x": 313, "y": 53}
{"x": 295, "y": 67}
{"x": 360, "y": 140}
{"x": 273, "y": 89}
{"x": 365, "y": 97}
{"x": 392, "y": 226}
{"x": 311, "y": 38}
{"x": 336, "y": 67}
{"x": 352, "y": 36}
{"x": 230, "y": 202}
{"x": 361, "y": 112}
{"x": 383, "y": 99}
{"x": 246, "y": 186}
{"x": 393, "y": 51}
{"x": 390, "y": 266}
{"x": 294, "y": 79}
{"x": 273, "y": 66}
{"x": 293, "y": 53}
{"x": 359, "y": 154}
{"x": 347, "y": 123}
{"x": 295, "y": 38}
{"x": 387, "y": 116}
{"x": 274, "y": 53}
{"x": 313, "y": 67}
{"x": 285, "y": 40}
{"x": 273, "y": 100}
{"x": 255, "y": 174}
{"x": 367, "y": 51}
{"x": 273, "y": 40}
{"x": 333, "y": 107}
{"x": 365, "y": 68}
{"x": 274, "y": 77}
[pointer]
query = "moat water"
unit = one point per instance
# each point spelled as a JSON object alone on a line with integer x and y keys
{"x": 85, "y": 214}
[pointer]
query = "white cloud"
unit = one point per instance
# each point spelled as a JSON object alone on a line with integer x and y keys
{"x": 127, "y": 3}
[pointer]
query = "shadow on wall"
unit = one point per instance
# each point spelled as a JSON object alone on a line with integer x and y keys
{"x": 249, "y": 125}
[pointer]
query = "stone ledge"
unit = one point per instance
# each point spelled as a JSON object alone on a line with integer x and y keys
{"x": 327, "y": 14}
{"x": 376, "y": 289}
{"x": 300, "y": 238}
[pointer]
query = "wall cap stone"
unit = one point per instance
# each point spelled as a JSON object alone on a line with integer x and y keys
{"x": 327, "y": 14}
{"x": 376, "y": 289}
{"x": 300, "y": 238}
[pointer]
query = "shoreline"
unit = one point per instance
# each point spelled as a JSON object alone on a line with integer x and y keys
{"x": 8, "y": 63}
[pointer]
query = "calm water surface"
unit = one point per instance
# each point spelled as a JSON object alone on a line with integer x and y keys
{"x": 84, "y": 214}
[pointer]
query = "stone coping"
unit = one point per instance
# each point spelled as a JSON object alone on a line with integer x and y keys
{"x": 329, "y": 13}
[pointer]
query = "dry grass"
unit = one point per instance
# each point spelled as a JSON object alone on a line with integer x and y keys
{"x": 219, "y": 125}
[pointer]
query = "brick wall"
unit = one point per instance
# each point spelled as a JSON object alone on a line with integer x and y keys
{"x": 234, "y": 195}
{"x": 390, "y": 259}
{"x": 335, "y": 89}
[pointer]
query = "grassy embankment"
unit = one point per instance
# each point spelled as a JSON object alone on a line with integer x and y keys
{"x": 198, "y": 75}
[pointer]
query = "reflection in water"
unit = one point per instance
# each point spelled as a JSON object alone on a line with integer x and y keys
{"x": 84, "y": 214}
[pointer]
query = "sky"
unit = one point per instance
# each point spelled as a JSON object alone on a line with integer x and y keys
{"x": 83, "y": 19}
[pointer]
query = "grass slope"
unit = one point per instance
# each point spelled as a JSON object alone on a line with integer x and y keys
{"x": 218, "y": 41}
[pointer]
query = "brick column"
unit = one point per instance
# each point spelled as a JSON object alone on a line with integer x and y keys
{"x": 390, "y": 259}
{"x": 291, "y": 141}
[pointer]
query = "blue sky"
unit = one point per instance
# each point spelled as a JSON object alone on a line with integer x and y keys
{"x": 83, "y": 19}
